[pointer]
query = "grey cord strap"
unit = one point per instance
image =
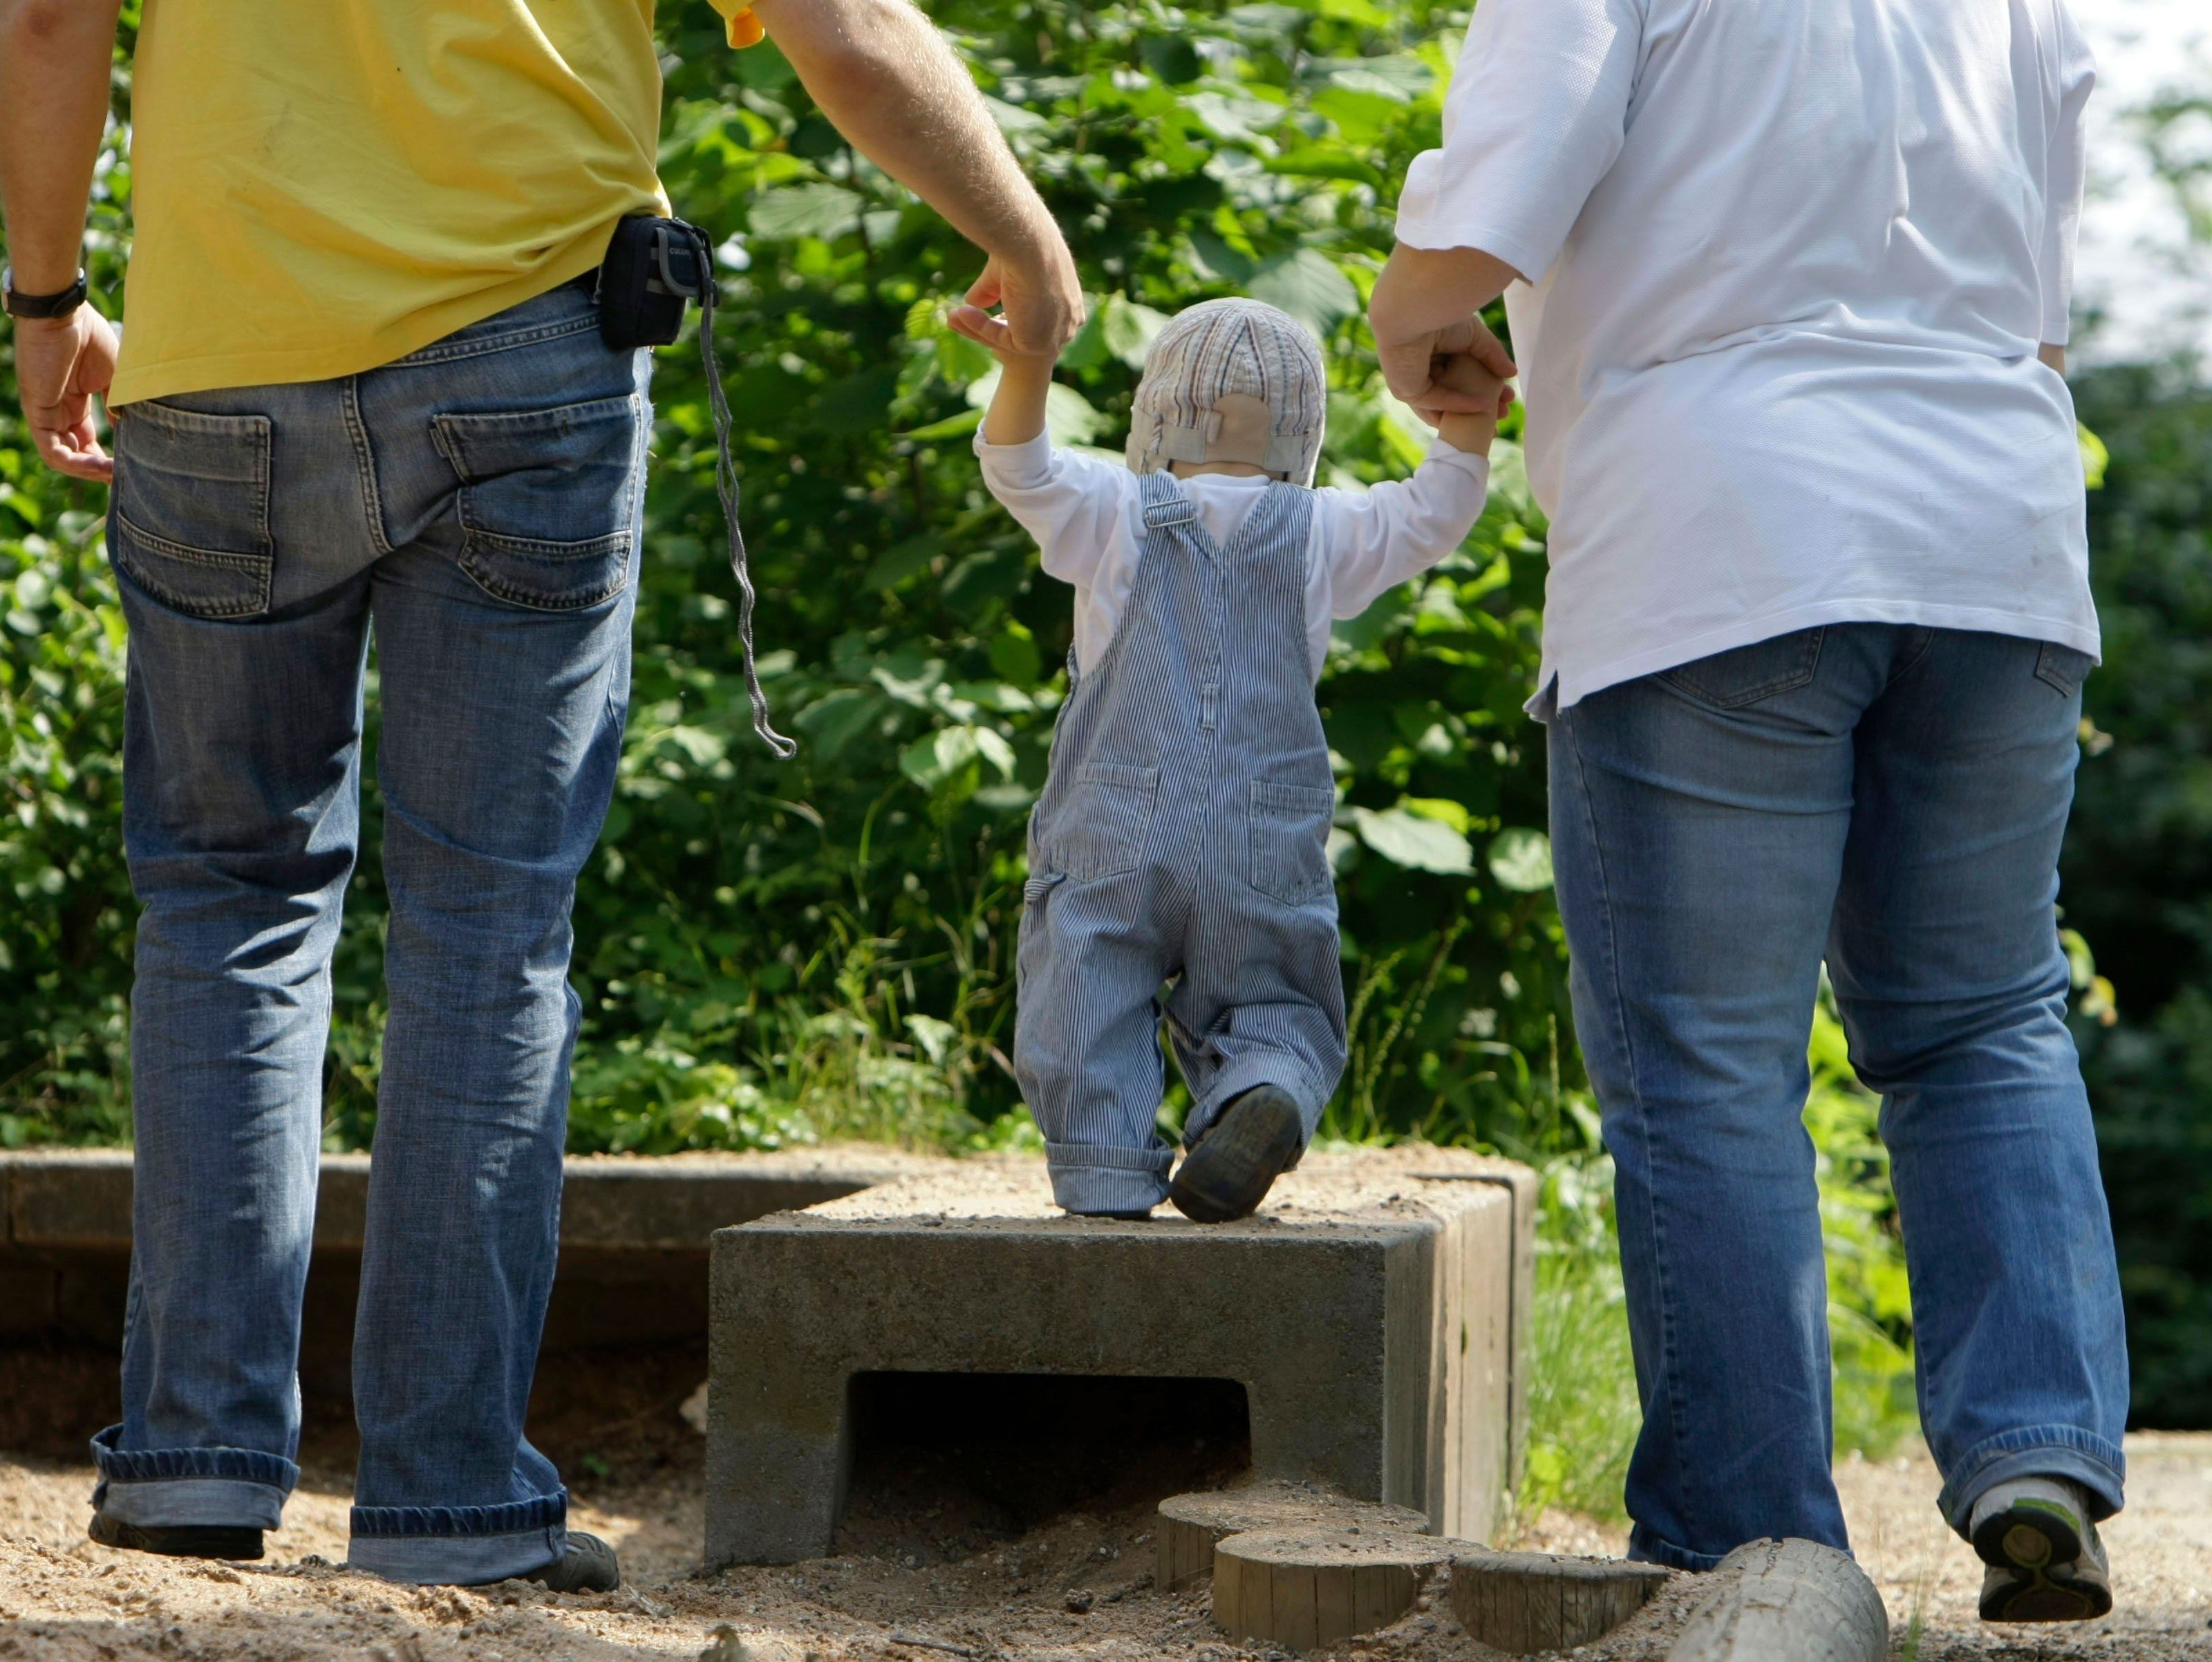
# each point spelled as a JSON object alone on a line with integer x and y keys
{"x": 726, "y": 486}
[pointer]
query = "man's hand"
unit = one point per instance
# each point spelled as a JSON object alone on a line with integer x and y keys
{"x": 1425, "y": 310}
{"x": 61, "y": 365}
{"x": 886, "y": 80}
{"x": 1041, "y": 299}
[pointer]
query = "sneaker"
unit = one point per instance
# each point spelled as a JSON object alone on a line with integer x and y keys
{"x": 238, "y": 1544}
{"x": 588, "y": 1566}
{"x": 2045, "y": 1562}
{"x": 1258, "y": 1137}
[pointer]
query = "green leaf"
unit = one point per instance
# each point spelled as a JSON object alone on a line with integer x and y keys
{"x": 1442, "y": 810}
{"x": 1172, "y": 57}
{"x": 952, "y": 427}
{"x": 1309, "y": 286}
{"x": 813, "y": 210}
{"x": 2095, "y": 458}
{"x": 1014, "y": 654}
{"x": 1521, "y": 860}
{"x": 1407, "y": 839}
{"x": 897, "y": 563}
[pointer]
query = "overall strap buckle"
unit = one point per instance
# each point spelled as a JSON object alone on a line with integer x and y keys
{"x": 1165, "y": 504}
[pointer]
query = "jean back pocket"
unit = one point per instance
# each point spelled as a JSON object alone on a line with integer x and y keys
{"x": 1746, "y": 674}
{"x": 1290, "y": 841}
{"x": 2062, "y": 666}
{"x": 190, "y": 520}
{"x": 548, "y": 499}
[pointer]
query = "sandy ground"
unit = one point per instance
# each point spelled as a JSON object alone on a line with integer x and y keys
{"x": 946, "y": 1556}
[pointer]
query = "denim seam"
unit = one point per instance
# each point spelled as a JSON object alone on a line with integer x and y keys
{"x": 372, "y": 498}
{"x": 476, "y": 543}
{"x": 119, "y": 1465}
{"x": 259, "y": 567}
{"x": 2003, "y": 1445}
{"x": 2054, "y": 676}
{"x": 1636, "y": 1092}
{"x": 1059, "y": 1156}
{"x": 417, "y": 1523}
{"x": 507, "y": 343}
{"x": 1927, "y": 646}
{"x": 1787, "y": 681}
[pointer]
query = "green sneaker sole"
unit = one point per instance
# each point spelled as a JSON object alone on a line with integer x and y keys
{"x": 2035, "y": 1553}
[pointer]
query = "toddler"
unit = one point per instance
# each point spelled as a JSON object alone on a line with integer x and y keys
{"x": 1182, "y": 835}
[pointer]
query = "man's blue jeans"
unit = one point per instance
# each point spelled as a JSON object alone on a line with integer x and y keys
{"x": 479, "y": 501}
{"x": 1891, "y": 799}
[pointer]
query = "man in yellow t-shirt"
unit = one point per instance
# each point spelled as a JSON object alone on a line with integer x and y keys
{"x": 366, "y": 380}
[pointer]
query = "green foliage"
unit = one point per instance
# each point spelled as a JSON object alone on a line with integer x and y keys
{"x": 917, "y": 644}
{"x": 2138, "y": 871}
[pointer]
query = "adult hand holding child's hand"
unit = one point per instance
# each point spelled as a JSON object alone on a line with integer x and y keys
{"x": 1040, "y": 301}
{"x": 1424, "y": 314}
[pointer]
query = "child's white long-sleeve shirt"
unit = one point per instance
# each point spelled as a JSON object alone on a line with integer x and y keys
{"x": 1088, "y": 518}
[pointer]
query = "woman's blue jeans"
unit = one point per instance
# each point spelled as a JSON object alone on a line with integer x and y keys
{"x": 478, "y": 503}
{"x": 1890, "y": 799}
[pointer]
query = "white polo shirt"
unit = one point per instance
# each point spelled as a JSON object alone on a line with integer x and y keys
{"x": 1788, "y": 263}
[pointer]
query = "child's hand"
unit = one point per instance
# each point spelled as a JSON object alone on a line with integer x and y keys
{"x": 1473, "y": 433}
{"x": 1016, "y": 414}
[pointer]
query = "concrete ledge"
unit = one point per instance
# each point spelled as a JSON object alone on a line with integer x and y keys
{"x": 633, "y": 1240}
{"x": 80, "y": 1199}
{"x": 1371, "y": 1314}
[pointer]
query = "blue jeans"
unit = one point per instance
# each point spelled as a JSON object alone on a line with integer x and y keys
{"x": 479, "y": 501}
{"x": 1891, "y": 799}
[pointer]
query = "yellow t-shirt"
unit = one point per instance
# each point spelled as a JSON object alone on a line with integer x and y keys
{"x": 323, "y": 185}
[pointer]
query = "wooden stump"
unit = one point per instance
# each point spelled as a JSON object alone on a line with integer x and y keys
{"x": 1190, "y": 1525}
{"x": 1786, "y": 1601}
{"x": 1306, "y": 1588}
{"x": 1526, "y": 1601}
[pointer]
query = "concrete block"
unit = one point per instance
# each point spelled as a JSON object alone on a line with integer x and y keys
{"x": 1368, "y": 1313}
{"x": 79, "y": 1200}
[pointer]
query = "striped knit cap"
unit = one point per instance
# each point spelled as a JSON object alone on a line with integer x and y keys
{"x": 1214, "y": 350}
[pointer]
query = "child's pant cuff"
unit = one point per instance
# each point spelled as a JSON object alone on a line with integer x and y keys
{"x": 1091, "y": 1177}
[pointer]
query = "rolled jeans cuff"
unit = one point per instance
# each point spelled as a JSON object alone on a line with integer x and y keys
{"x": 168, "y": 1488}
{"x": 459, "y": 1546}
{"x": 2082, "y": 1457}
{"x": 1089, "y": 1178}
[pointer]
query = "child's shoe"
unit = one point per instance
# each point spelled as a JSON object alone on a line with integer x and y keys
{"x": 2045, "y": 1562}
{"x": 1257, "y": 1138}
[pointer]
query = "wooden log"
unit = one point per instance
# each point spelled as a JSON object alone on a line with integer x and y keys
{"x": 1526, "y": 1602}
{"x": 1786, "y": 1601}
{"x": 1183, "y": 1546}
{"x": 1307, "y": 1588}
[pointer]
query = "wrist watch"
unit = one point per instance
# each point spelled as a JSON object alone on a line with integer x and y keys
{"x": 42, "y": 305}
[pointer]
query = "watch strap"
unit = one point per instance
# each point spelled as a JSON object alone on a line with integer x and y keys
{"x": 42, "y": 305}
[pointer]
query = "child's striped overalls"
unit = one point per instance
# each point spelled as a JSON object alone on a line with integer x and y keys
{"x": 1182, "y": 838}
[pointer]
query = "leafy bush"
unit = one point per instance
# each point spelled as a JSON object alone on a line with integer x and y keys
{"x": 2138, "y": 871}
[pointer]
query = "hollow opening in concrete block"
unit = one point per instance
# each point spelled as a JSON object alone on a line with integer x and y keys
{"x": 947, "y": 1464}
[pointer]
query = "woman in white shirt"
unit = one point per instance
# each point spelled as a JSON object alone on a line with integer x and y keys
{"x": 1790, "y": 284}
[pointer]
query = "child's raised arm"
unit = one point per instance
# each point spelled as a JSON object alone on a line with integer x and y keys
{"x": 1017, "y": 411}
